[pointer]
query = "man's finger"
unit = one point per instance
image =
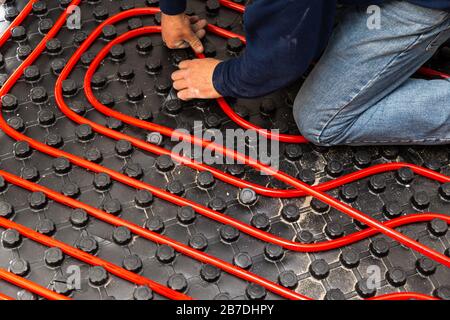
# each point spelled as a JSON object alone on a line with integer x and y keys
{"x": 195, "y": 43}
{"x": 199, "y": 25}
{"x": 180, "y": 84}
{"x": 177, "y": 45}
{"x": 194, "y": 19}
{"x": 178, "y": 75}
{"x": 184, "y": 64}
{"x": 184, "y": 95}
{"x": 201, "y": 33}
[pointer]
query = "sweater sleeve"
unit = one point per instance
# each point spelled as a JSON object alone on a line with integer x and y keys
{"x": 172, "y": 7}
{"x": 283, "y": 39}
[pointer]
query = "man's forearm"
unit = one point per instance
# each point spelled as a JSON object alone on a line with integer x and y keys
{"x": 173, "y": 7}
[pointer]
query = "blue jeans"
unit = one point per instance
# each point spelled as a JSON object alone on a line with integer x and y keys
{"x": 361, "y": 91}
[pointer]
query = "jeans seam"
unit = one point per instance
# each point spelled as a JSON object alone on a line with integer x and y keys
{"x": 368, "y": 85}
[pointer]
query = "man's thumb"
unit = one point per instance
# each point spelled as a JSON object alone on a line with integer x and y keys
{"x": 195, "y": 43}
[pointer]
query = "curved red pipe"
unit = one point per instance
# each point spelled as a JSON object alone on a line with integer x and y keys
{"x": 356, "y": 214}
{"x": 17, "y": 21}
{"x": 58, "y": 21}
{"x": 29, "y": 285}
{"x": 4, "y": 297}
{"x": 270, "y": 192}
{"x": 92, "y": 260}
{"x": 195, "y": 254}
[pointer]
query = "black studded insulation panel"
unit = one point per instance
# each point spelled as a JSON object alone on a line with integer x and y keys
{"x": 336, "y": 274}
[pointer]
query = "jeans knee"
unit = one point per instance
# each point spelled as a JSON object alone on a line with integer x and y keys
{"x": 306, "y": 118}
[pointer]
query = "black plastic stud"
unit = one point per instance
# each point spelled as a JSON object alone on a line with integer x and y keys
{"x": 243, "y": 260}
{"x": 205, "y": 179}
{"x": 334, "y": 230}
{"x": 247, "y": 196}
{"x": 112, "y": 206}
{"x": 18, "y": 33}
{"x": 100, "y": 13}
{"x": 132, "y": 263}
{"x": 255, "y": 292}
{"x": 98, "y": 80}
{"x": 438, "y": 227}
{"x": 22, "y": 149}
{"x": 186, "y": 215}
{"x": 143, "y": 293}
{"x": 88, "y": 244}
{"x": 24, "y": 52}
{"x": 9, "y": 102}
{"x": 54, "y": 257}
{"x": 165, "y": 254}
{"x": 143, "y": 198}
{"x": 144, "y": 45}
{"x": 117, "y": 53}
{"x": 46, "y": 227}
{"x": 38, "y": 95}
{"x": 164, "y": 163}
{"x": 98, "y": 276}
{"x": 155, "y": 224}
{"x": 53, "y": 46}
{"x": 377, "y": 184}
{"x": 16, "y": 123}
{"x": 31, "y": 174}
{"x": 177, "y": 282}
{"x": 133, "y": 170}
{"x": 349, "y": 193}
{"x": 45, "y": 25}
{"x": 102, "y": 181}
{"x": 273, "y": 252}
{"x": 11, "y": 238}
{"x": 153, "y": 65}
{"x": 334, "y": 295}
{"x": 84, "y": 132}
{"x": 229, "y": 233}
{"x": 307, "y": 176}
{"x": 364, "y": 290}
{"x": 290, "y": 213}
{"x": 125, "y": 72}
{"x": 405, "y": 175}
{"x": 426, "y": 266}
{"x": 57, "y": 65}
{"x": 305, "y": 236}
{"x": 210, "y": 273}
{"x": 396, "y": 277}
{"x": 319, "y": 269}
{"x": 198, "y": 242}
{"x": 261, "y": 221}
{"x": 38, "y": 200}
{"x": 288, "y": 279}
{"x": 175, "y": 187}
{"x": 109, "y": 32}
{"x": 135, "y": 94}
{"x": 69, "y": 87}
{"x": 19, "y": 267}
{"x": 79, "y": 218}
{"x": 362, "y": 159}
{"x": 70, "y": 190}
{"x": 123, "y": 148}
{"x": 319, "y": 206}
{"x": 334, "y": 168}
{"x": 420, "y": 200}
{"x": 122, "y": 235}
{"x": 350, "y": 258}
{"x": 217, "y": 204}
{"x": 235, "y": 45}
{"x": 94, "y": 155}
{"x": 114, "y": 124}
{"x": 379, "y": 248}
{"x": 444, "y": 191}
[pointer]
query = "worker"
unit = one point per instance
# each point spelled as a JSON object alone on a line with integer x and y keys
{"x": 360, "y": 92}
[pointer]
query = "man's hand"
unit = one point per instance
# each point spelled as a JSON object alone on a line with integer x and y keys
{"x": 194, "y": 80}
{"x": 182, "y": 31}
